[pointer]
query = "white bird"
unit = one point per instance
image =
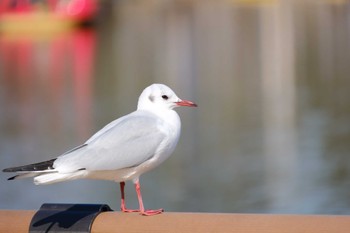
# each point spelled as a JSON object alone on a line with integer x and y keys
{"x": 122, "y": 150}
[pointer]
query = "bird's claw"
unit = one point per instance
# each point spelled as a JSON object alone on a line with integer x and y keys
{"x": 151, "y": 212}
{"x": 144, "y": 212}
{"x": 124, "y": 210}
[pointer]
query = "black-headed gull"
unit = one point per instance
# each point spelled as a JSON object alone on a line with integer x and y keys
{"x": 122, "y": 150}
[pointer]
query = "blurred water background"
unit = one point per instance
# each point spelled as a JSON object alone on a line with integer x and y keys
{"x": 271, "y": 78}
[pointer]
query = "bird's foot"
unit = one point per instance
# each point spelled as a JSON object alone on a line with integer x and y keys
{"x": 144, "y": 212}
{"x": 151, "y": 212}
{"x": 125, "y": 210}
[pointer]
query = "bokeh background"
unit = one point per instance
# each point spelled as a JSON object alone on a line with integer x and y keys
{"x": 271, "y": 78}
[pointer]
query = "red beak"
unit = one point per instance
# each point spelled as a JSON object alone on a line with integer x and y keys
{"x": 186, "y": 103}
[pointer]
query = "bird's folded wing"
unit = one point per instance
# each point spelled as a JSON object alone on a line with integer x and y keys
{"x": 128, "y": 142}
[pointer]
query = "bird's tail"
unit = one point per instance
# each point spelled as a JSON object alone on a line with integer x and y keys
{"x": 50, "y": 178}
{"x": 31, "y": 170}
{"x": 44, "y": 173}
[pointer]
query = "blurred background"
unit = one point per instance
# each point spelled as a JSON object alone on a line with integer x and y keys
{"x": 271, "y": 78}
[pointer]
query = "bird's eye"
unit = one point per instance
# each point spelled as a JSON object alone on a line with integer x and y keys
{"x": 165, "y": 97}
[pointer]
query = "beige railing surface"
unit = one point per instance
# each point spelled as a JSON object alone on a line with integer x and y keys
{"x": 18, "y": 221}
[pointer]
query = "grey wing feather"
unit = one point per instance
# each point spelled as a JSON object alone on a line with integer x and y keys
{"x": 126, "y": 142}
{"x": 75, "y": 149}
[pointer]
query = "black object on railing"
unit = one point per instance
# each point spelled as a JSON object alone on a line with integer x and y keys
{"x": 66, "y": 217}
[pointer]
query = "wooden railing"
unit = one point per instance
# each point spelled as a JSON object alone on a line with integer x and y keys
{"x": 19, "y": 221}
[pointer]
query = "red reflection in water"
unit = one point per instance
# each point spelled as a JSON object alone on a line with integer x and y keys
{"x": 49, "y": 78}
{"x": 82, "y": 63}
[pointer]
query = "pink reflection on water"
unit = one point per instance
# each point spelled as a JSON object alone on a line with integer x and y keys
{"x": 82, "y": 63}
{"x": 48, "y": 83}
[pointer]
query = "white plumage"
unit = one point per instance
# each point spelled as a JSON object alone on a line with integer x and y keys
{"x": 122, "y": 150}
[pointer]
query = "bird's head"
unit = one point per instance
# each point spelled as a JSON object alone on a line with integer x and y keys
{"x": 160, "y": 96}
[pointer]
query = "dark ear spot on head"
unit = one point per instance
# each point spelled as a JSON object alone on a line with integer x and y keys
{"x": 151, "y": 98}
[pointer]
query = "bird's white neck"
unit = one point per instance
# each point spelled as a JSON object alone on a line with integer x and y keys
{"x": 170, "y": 117}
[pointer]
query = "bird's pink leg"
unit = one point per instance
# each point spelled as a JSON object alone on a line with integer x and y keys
{"x": 142, "y": 208}
{"x": 122, "y": 205}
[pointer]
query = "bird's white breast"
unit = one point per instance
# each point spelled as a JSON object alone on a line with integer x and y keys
{"x": 171, "y": 126}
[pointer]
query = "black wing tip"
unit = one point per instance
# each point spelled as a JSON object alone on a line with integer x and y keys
{"x": 13, "y": 169}
{"x": 10, "y": 169}
{"x": 12, "y": 178}
{"x": 32, "y": 167}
